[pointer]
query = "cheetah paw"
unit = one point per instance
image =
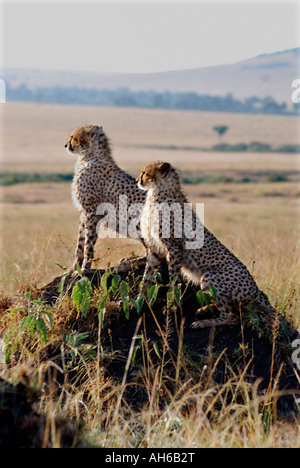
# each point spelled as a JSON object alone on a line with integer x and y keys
{"x": 71, "y": 271}
{"x": 127, "y": 264}
{"x": 74, "y": 274}
{"x": 197, "y": 324}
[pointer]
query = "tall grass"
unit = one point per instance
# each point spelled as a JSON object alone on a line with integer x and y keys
{"x": 183, "y": 404}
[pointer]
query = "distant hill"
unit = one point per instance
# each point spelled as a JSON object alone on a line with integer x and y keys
{"x": 265, "y": 75}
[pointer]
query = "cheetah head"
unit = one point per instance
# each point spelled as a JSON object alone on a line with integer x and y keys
{"x": 86, "y": 140}
{"x": 154, "y": 173}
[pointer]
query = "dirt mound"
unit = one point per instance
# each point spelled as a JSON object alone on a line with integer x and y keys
{"x": 162, "y": 332}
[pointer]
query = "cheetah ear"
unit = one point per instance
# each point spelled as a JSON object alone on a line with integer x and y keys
{"x": 96, "y": 130}
{"x": 164, "y": 167}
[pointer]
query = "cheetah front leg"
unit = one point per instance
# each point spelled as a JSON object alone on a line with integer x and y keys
{"x": 89, "y": 241}
{"x": 79, "y": 252}
{"x": 153, "y": 261}
{"x": 174, "y": 259}
{"x": 80, "y": 242}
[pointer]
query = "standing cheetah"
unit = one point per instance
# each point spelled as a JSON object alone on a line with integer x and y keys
{"x": 212, "y": 264}
{"x": 97, "y": 180}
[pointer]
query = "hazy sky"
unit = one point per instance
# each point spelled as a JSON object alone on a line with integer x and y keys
{"x": 143, "y": 36}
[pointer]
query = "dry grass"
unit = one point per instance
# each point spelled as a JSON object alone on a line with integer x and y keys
{"x": 193, "y": 412}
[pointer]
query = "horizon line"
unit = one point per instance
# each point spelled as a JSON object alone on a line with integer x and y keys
{"x": 263, "y": 54}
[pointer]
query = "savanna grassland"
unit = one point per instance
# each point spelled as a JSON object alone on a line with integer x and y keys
{"x": 251, "y": 202}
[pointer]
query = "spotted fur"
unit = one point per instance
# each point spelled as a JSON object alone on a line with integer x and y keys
{"x": 210, "y": 265}
{"x": 97, "y": 179}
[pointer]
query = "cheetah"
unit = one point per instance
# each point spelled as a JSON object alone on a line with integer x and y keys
{"x": 210, "y": 264}
{"x": 97, "y": 180}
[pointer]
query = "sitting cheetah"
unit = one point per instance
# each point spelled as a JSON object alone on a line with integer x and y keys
{"x": 97, "y": 180}
{"x": 212, "y": 264}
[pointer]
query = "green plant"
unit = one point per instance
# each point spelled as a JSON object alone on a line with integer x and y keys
{"x": 81, "y": 295}
{"x": 174, "y": 297}
{"x": 117, "y": 289}
{"x": 124, "y": 293}
{"x": 205, "y": 298}
{"x": 75, "y": 344}
{"x": 256, "y": 320}
{"x": 61, "y": 285}
{"x": 138, "y": 304}
{"x": 35, "y": 320}
{"x": 152, "y": 293}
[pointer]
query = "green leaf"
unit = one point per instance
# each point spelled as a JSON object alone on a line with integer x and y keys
{"x": 102, "y": 302}
{"x": 174, "y": 281}
{"x": 79, "y": 269}
{"x": 15, "y": 310}
{"x": 204, "y": 298}
{"x": 156, "y": 349}
{"x": 26, "y": 322}
{"x": 62, "y": 284}
{"x": 177, "y": 295}
{"x": 31, "y": 327}
{"x": 159, "y": 277}
{"x": 174, "y": 297}
{"x": 81, "y": 295}
{"x": 115, "y": 282}
{"x": 49, "y": 317}
{"x": 124, "y": 293}
{"x": 124, "y": 289}
{"x": 170, "y": 299}
{"x": 152, "y": 294}
{"x": 136, "y": 348}
{"x": 138, "y": 304}
{"x": 104, "y": 279}
{"x": 213, "y": 293}
{"x": 207, "y": 299}
{"x": 42, "y": 329}
{"x": 200, "y": 298}
{"x": 101, "y": 316}
{"x": 126, "y": 309}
